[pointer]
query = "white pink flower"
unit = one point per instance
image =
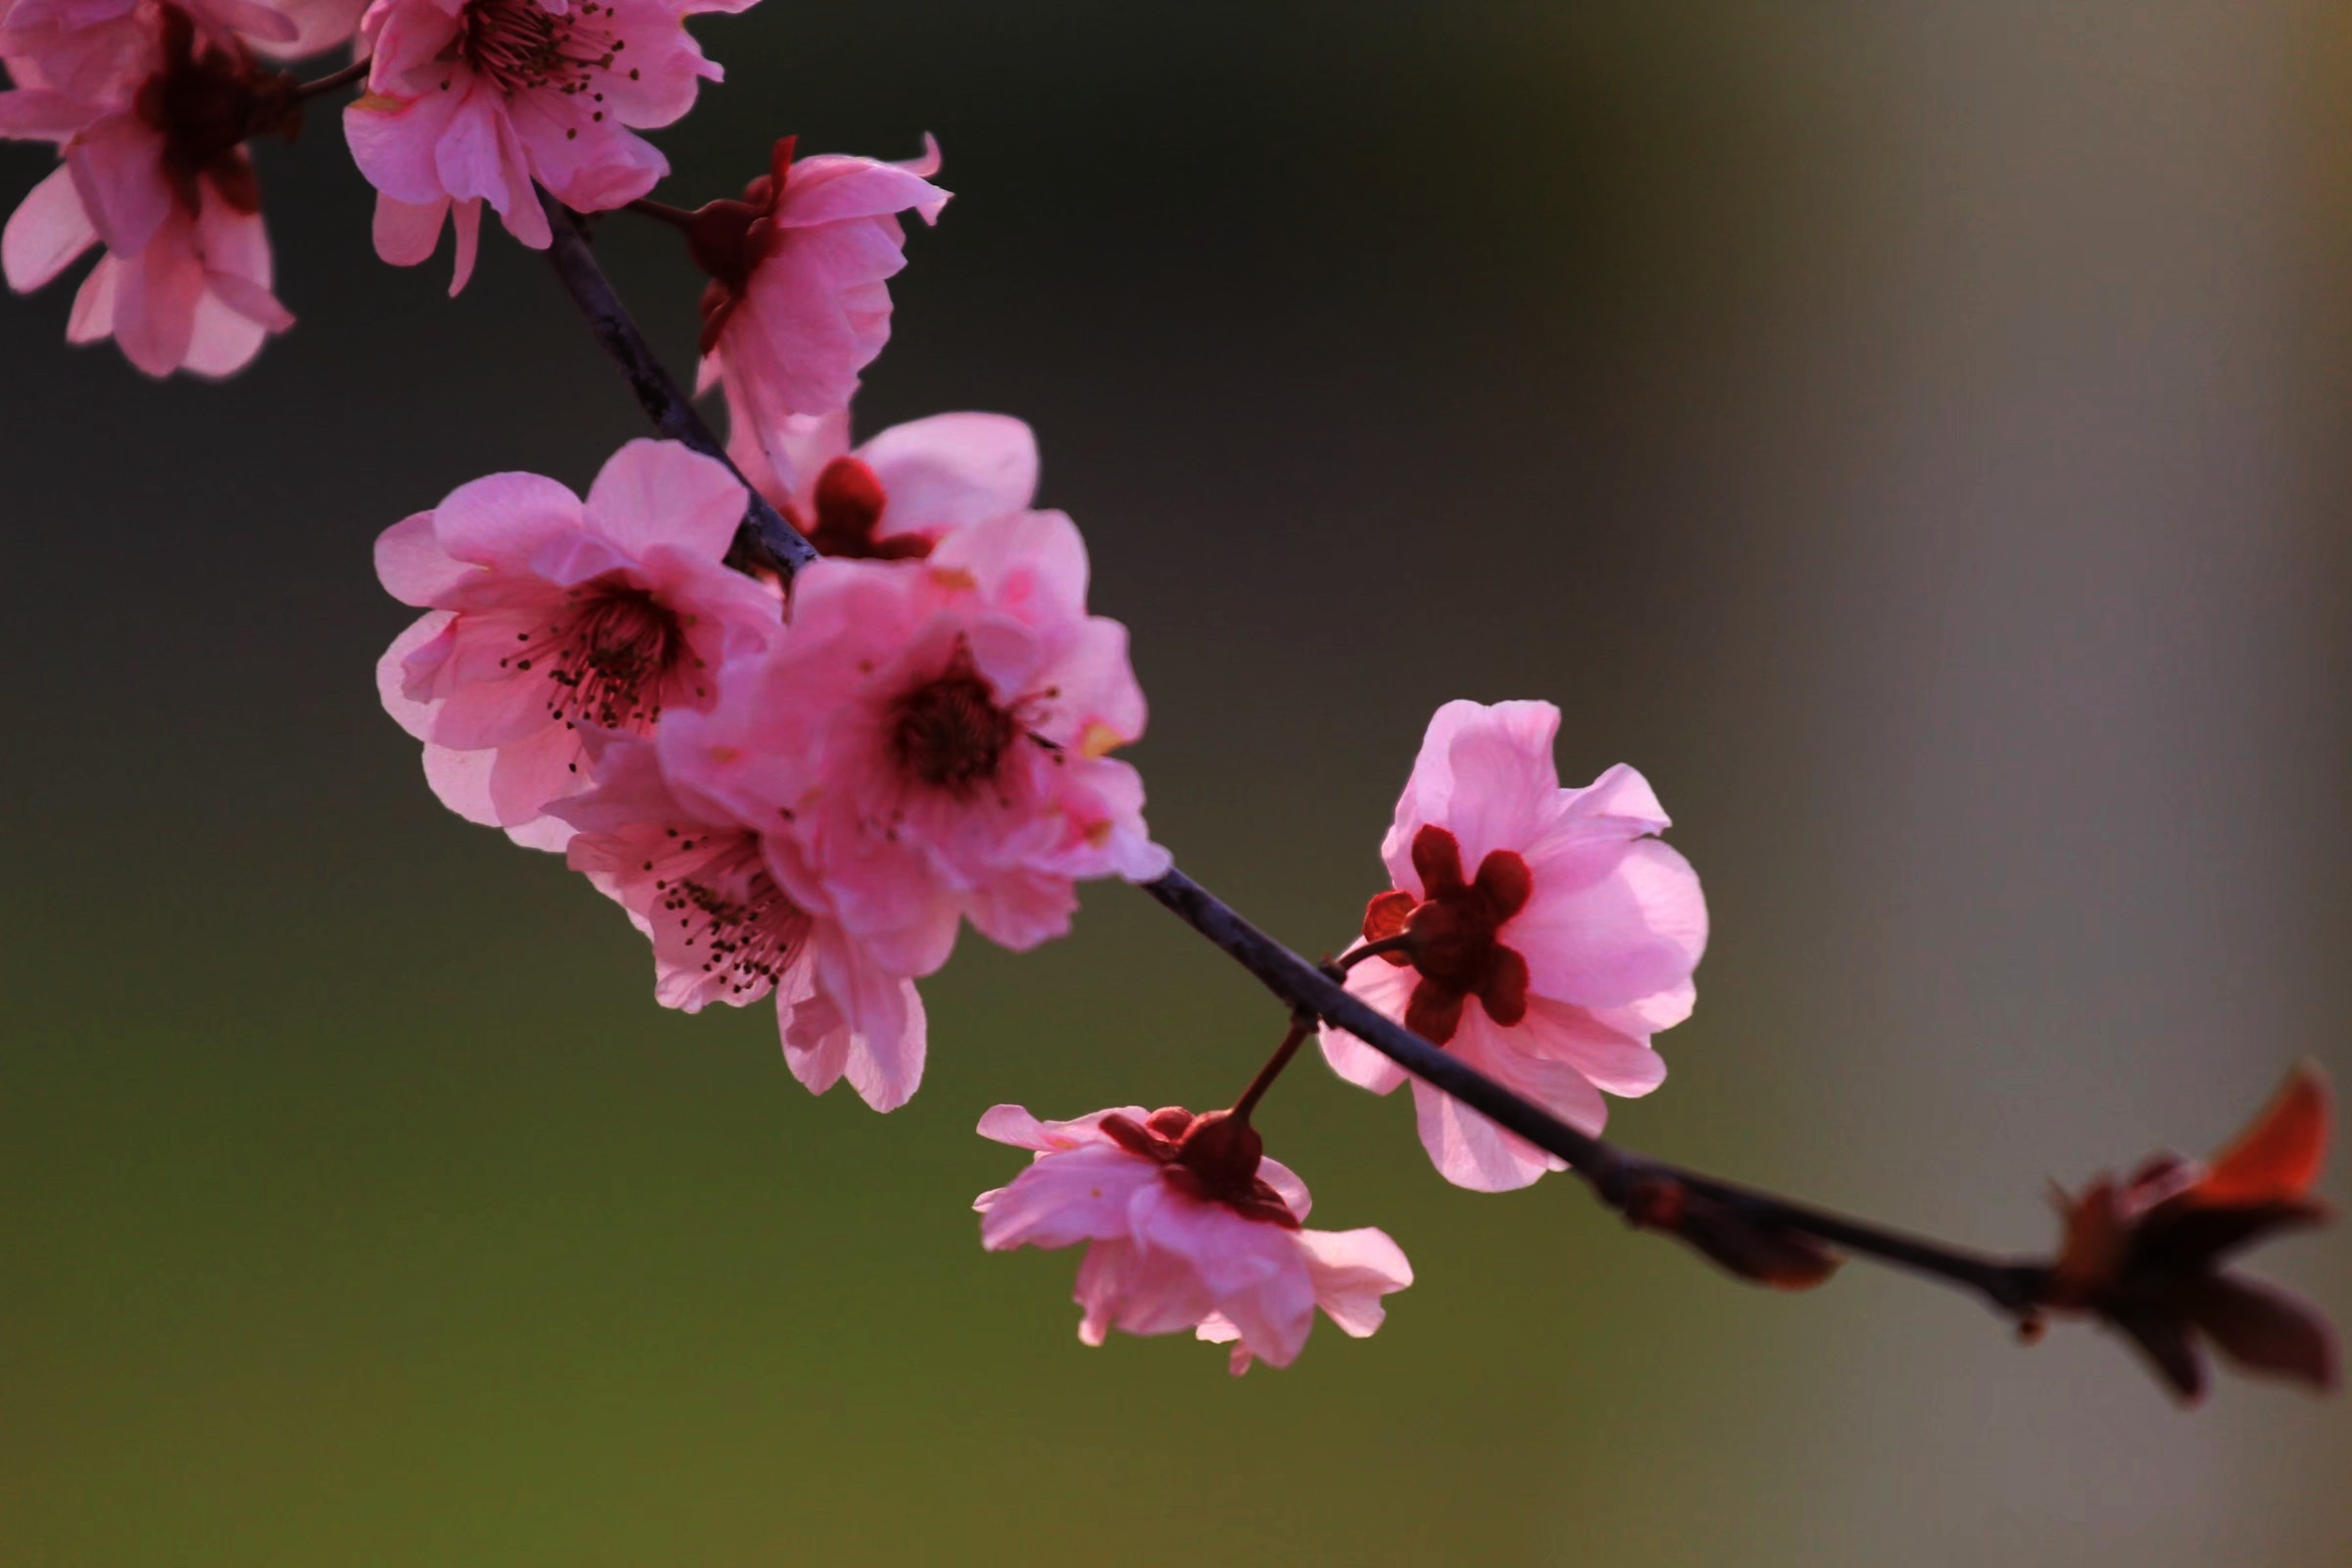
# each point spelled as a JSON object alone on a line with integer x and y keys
{"x": 1540, "y": 933}
{"x": 703, "y": 885}
{"x": 896, "y": 496}
{"x": 470, "y": 101}
{"x": 1189, "y": 1227}
{"x": 798, "y": 302}
{"x": 938, "y": 737}
{"x": 548, "y": 614}
{"x": 152, "y": 133}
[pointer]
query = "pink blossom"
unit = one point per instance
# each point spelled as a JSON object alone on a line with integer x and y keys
{"x": 156, "y": 168}
{"x": 701, "y": 884}
{"x": 1190, "y": 1227}
{"x": 938, "y": 737}
{"x": 896, "y": 497}
{"x": 470, "y": 101}
{"x": 548, "y": 614}
{"x": 1543, "y": 935}
{"x": 797, "y": 304}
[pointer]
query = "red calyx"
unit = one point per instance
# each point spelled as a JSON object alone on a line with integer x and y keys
{"x": 205, "y": 106}
{"x": 727, "y": 238}
{"x": 849, "y": 502}
{"x": 1452, "y": 935}
{"x": 1213, "y": 1157}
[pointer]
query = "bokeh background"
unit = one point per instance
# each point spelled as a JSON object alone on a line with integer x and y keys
{"x": 1915, "y": 434}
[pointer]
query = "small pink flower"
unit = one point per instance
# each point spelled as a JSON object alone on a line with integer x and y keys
{"x": 1543, "y": 936}
{"x": 470, "y": 101}
{"x": 938, "y": 737}
{"x": 1190, "y": 1228}
{"x": 156, "y": 168}
{"x": 703, "y": 886}
{"x": 798, "y": 303}
{"x": 549, "y": 614}
{"x": 896, "y": 497}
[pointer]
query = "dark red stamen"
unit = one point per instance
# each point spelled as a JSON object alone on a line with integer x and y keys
{"x": 1452, "y": 935}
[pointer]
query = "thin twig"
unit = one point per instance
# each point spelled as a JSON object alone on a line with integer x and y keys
{"x": 357, "y": 71}
{"x": 2009, "y": 1286}
{"x": 777, "y": 543}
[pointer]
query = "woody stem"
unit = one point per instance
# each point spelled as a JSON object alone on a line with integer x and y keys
{"x": 1272, "y": 1070}
{"x": 763, "y": 535}
{"x": 2010, "y": 1285}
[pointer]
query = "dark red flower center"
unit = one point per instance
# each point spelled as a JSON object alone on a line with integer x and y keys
{"x": 1452, "y": 935}
{"x": 949, "y": 732}
{"x": 522, "y": 46}
{"x": 849, "y": 500}
{"x": 204, "y": 102}
{"x": 614, "y": 655}
{"x": 1210, "y": 1156}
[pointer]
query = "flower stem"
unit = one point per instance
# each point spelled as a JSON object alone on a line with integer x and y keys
{"x": 1272, "y": 1070}
{"x": 1402, "y": 942}
{"x": 675, "y": 216}
{"x": 357, "y": 71}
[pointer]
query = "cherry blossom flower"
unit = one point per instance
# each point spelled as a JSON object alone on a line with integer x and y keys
{"x": 470, "y": 101}
{"x": 797, "y": 304}
{"x": 1539, "y": 932}
{"x": 155, "y": 169}
{"x": 896, "y": 497}
{"x": 938, "y": 737}
{"x": 549, "y": 614}
{"x": 1190, "y": 1227}
{"x": 700, "y": 883}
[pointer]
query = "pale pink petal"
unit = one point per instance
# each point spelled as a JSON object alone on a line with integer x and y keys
{"x": 1630, "y": 935}
{"x": 1387, "y": 989}
{"x": 662, "y": 493}
{"x": 952, "y": 470}
{"x": 1351, "y": 1271}
{"x": 46, "y": 232}
{"x": 1470, "y": 1150}
{"x": 1074, "y": 1196}
{"x": 1607, "y": 1058}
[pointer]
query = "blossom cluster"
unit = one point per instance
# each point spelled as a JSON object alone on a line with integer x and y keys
{"x": 803, "y": 789}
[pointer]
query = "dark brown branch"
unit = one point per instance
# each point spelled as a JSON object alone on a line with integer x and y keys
{"x": 357, "y": 71}
{"x": 764, "y": 535}
{"x": 1619, "y": 1179}
{"x": 1754, "y": 1234}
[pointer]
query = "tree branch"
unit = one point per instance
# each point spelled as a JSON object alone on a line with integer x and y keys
{"x": 764, "y": 535}
{"x": 1738, "y": 1227}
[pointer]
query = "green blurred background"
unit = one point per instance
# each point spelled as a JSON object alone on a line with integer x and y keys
{"x": 1913, "y": 433}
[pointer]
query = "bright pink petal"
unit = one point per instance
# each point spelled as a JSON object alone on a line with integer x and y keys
{"x": 651, "y": 494}
{"x": 46, "y": 232}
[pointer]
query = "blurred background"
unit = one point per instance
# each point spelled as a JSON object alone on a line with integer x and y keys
{"x": 1913, "y": 434}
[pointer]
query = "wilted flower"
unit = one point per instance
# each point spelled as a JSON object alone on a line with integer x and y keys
{"x": 2146, "y": 1254}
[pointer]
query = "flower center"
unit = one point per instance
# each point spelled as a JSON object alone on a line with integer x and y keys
{"x": 522, "y": 46}
{"x": 948, "y": 732}
{"x": 1452, "y": 935}
{"x": 720, "y": 891}
{"x": 1211, "y": 1156}
{"x": 614, "y": 655}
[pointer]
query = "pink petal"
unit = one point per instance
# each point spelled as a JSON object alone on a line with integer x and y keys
{"x": 953, "y": 469}
{"x": 655, "y": 493}
{"x": 1351, "y": 1271}
{"x": 48, "y": 229}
